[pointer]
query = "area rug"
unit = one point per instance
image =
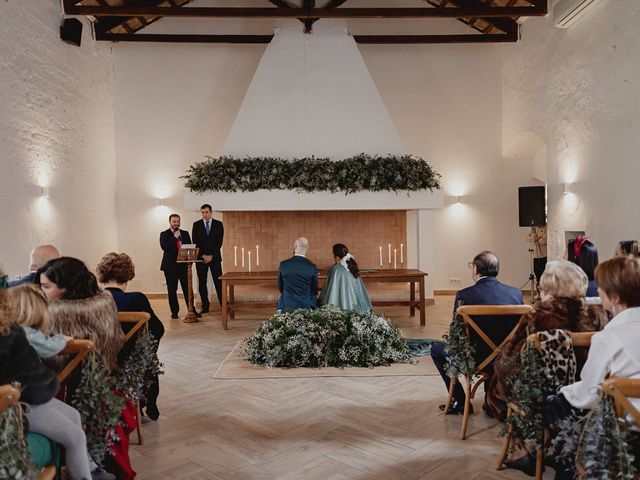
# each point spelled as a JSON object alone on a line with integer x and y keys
{"x": 235, "y": 367}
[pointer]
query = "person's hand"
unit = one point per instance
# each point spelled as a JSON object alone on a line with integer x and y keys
{"x": 207, "y": 258}
{"x": 177, "y": 233}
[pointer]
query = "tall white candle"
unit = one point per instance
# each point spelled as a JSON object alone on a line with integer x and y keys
{"x": 249, "y": 253}
{"x": 395, "y": 258}
{"x": 389, "y": 254}
{"x": 242, "y": 257}
{"x": 257, "y": 256}
{"x": 402, "y": 253}
{"x": 380, "y": 255}
{"x": 235, "y": 255}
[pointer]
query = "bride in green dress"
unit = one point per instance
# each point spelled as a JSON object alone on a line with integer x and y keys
{"x": 343, "y": 286}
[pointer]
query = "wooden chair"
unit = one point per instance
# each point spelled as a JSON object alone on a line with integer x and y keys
{"x": 140, "y": 321}
{"x": 467, "y": 312}
{"x": 621, "y": 389}
{"x": 10, "y": 397}
{"x": 578, "y": 340}
{"x": 79, "y": 349}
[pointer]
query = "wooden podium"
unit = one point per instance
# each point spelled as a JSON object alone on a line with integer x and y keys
{"x": 189, "y": 255}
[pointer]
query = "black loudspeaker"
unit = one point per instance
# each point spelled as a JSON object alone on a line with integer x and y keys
{"x": 531, "y": 206}
{"x": 71, "y": 31}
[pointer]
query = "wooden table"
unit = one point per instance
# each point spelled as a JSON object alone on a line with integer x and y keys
{"x": 410, "y": 276}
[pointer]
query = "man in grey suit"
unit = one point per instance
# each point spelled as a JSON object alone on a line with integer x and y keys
{"x": 298, "y": 279}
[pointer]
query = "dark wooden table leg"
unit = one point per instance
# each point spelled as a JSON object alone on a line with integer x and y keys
{"x": 225, "y": 305}
{"x": 232, "y": 301}
{"x": 412, "y": 299}
{"x": 423, "y": 317}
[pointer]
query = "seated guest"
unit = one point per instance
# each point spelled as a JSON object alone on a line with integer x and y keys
{"x": 344, "y": 287}
{"x": 486, "y": 291}
{"x": 298, "y": 279}
{"x": 19, "y": 362}
{"x": 562, "y": 290}
{"x": 584, "y": 254}
{"x": 627, "y": 247}
{"x": 78, "y": 308}
{"x": 39, "y": 256}
{"x": 116, "y": 270}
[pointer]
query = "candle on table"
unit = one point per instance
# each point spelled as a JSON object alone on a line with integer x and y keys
{"x": 249, "y": 253}
{"x": 395, "y": 258}
{"x": 242, "y": 257}
{"x": 389, "y": 254}
{"x": 235, "y": 255}
{"x": 257, "y": 256}
{"x": 402, "y": 253}
{"x": 380, "y": 255}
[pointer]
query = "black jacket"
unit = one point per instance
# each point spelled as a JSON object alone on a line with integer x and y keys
{"x": 169, "y": 247}
{"x": 208, "y": 244}
{"x": 19, "y": 362}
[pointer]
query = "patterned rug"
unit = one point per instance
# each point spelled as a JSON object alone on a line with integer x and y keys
{"x": 236, "y": 367}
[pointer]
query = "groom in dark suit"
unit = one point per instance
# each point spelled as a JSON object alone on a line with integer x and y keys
{"x": 298, "y": 279}
{"x": 208, "y": 234}
{"x": 170, "y": 241}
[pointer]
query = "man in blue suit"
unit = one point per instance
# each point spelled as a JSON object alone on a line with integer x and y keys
{"x": 298, "y": 279}
{"x": 39, "y": 257}
{"x": 486, "y": 291}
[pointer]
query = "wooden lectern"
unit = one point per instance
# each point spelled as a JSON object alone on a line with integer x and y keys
{"x": 189, "y": 255}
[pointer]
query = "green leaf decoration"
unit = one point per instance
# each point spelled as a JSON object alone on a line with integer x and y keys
{"x": 326, "y": 337}
{"x": 356, "y": 174}
{"x": 141, "y": 367}
{"x": 15, "y": 463}
{"x": 461, "y": 361}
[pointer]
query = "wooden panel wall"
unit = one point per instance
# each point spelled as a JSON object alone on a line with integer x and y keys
{"x": 274, "y": 232}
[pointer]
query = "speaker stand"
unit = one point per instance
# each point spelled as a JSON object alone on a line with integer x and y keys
{"x": 532, "y": 277}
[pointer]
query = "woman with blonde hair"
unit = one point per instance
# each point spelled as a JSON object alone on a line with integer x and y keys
{"x": 563, "y": 288}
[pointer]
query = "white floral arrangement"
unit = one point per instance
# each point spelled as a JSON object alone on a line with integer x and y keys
{"x": 326, "y": 337}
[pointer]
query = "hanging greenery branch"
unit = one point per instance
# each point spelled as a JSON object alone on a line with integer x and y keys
{"x": 140, "y": 368}
{"x": 597, "y": 441}
{"x": 356, "y": 174}
{"x": 99, "y": 407}
{"x": 461, "y": 361}
{"x": 15, "y": 463}
{"x": 326, "y": 337}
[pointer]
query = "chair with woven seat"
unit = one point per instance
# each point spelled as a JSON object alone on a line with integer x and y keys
{"x": 466, "y": 312}
{"x": 578, "y": 340}
{"x": 140, "y": 322}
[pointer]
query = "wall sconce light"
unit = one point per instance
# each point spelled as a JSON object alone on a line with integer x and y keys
{"x": 566, "y": 188}
{"x": 458, "y": 198}
{"x": 161, "y": 201}
{"x": 44, "y": 192}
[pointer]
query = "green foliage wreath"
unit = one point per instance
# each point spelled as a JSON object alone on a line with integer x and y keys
{"x": 360, "y": 173}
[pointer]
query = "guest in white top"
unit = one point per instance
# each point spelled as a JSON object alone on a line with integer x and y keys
{"x": 614, "y": 351}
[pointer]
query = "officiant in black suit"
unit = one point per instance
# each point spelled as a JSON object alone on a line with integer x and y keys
{"x": 208, "y": 234}
{"x": 170, "y": 241}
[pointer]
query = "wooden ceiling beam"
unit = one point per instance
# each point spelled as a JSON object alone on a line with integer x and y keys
{"x": 344, "y": 12}
{"x": 262, "y": 39}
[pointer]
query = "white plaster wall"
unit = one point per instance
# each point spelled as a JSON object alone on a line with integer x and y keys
{"x": 579, "y": 90}
{"x": 56, "y": 130}
{"x": 446, "y": 102}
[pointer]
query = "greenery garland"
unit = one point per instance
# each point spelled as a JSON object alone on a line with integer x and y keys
{"x": 326, "y": 337}
{"x": 141, "y": 367}
{"x": 360, "y": 173}
{"x": 15, "y": 462}
{"x": 99, "y": 407}
{"x": 598, "y": 442}
{"x": 461, "y": 359}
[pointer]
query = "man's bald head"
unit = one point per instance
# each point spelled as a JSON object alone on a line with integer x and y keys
{"x": 41, "y": 255}
{"x": 486, "y": 264}
{"x": 301, "y": 246}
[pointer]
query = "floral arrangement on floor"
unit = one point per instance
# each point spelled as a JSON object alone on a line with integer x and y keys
{"x": 326, "y": 337}
{"x": 99, "y": 407}
{"x": 141, "y": 366}
{"x": 360, "y": 173}
{"x": 598, "y": 442}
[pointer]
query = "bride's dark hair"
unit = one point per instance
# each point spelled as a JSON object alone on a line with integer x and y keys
{"x": 340, "y": 250}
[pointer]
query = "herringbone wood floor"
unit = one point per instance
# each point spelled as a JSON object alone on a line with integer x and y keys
{"x": 376, "y": 428}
